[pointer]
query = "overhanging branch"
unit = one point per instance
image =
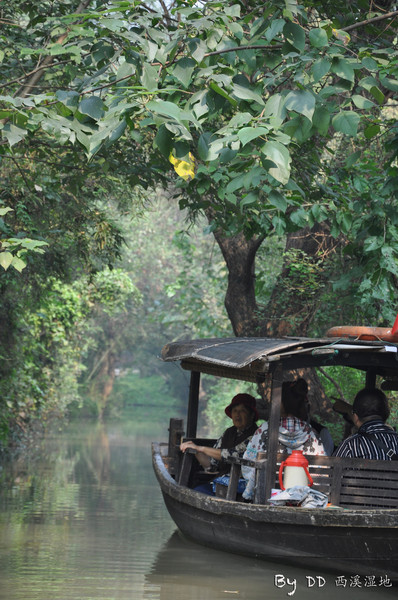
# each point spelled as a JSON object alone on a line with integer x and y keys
{"x": 389, "y": 15}
{"x": 25, "y": 89}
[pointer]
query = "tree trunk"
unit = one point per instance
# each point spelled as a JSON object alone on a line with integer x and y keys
{"x": 240, "y": 299}
{"x": 292, "y": 303}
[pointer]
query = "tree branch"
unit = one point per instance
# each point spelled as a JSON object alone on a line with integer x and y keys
{"x": 236, "y": 48}
{"x": 61, "y": 62}
{"x": 336, "y": 385}
{"x": 389, "y": 15}
{"x": 25, "y": 89}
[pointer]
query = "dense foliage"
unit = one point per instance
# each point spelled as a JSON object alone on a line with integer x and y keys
{"x": 267, "y": 118}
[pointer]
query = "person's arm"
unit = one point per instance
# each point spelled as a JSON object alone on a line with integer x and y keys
{"x": 343, "y": 450}
{"x": 203, "y": 453}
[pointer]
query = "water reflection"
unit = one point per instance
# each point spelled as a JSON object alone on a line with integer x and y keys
{"x": 84, "y": 519}
{"x": 184, "y": 570}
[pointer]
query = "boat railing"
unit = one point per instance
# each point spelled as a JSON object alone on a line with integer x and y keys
{"x": 348, "y": 482}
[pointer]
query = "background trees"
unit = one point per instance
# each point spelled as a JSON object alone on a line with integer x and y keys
{"x": 273, "y": 120}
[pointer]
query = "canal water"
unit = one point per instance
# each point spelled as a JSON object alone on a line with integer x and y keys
{"x": 82, "y": 518}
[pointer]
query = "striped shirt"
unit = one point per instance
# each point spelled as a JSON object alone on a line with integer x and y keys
{"x": 360, "y": 446}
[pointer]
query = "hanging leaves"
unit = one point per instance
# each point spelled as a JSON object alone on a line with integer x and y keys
{"x": 240, "y": 91}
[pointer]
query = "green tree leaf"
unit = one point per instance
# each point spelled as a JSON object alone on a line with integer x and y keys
{"x": 149, "y": 77}
{"x": 164, "y": 141}
{"x": 183, "y": 70}
{"x": 321, "y": 120}
{"x": 298, "y": 128}
{"x": 278, "y": 154}
{"x": 320, "y": 68}
{"x": 275, "y": 29}
{"x": 204, "y": 146}
{"x": 301, "y": 101}
{"x": 352, "y": 159}
{"x": 361, "y": 102}
{"x": 169, "y": 109}
{"x": 70, "y": 99}
{"x": 216, "y": 88}
{"x": 208, "y": 148}
{"x": 278, "y": 200}
{"x": 13, "y": 133}
{"x": 372, "y": 131}
{"x": 197, "y": 49}
{"x": 318, "y": 37}
{"x": 4, "y": 211}
{"x": 346, "y": 121}
{"x": 377, "y": 94}
{"x": 248, "y": 134}
{"x": 295, "y": 35}
{"x": 93, "y": 107}
{"x": 18, "y": 263}
{"x": 6, "y": 259}
{"x": 343, "y": 68}
{"x": 247, "y": 94}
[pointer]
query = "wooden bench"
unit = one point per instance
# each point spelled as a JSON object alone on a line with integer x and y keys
{"x": 348, "y": 482}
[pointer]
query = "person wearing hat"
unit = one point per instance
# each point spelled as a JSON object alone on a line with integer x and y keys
{"x": 243, "y": 412}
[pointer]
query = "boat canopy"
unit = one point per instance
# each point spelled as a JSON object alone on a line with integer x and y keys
{"x": 252, "y": 358}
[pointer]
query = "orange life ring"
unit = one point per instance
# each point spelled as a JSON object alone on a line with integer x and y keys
{"x": 369, "y": 334}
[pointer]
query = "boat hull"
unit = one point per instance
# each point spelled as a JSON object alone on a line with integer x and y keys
{"x": 362, "y": 542}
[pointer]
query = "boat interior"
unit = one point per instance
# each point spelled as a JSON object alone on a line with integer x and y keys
{"x": 349, "y": 483}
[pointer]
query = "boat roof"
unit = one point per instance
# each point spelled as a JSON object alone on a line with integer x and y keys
{"x": 252, "y": 358}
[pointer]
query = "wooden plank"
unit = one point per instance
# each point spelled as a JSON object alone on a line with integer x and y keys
{"x": 353, "y": 490}
{"x": 355, "y": 463}
{"x": 371, "y": 484}
{"x": 369, "y": 502}
{"x": 176, "y": 431}
{"x": 374, "y": 476}
{"x": 273, "y": 429}
{"x": 185, "y": 468}
{"x": 193, "y": 404}
{"x": 260, "y": 493}
{"x": 233, "y": 482}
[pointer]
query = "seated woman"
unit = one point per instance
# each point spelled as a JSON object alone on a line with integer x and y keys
{"x": 233, "y": 442}
{"x": 294, "y": 432}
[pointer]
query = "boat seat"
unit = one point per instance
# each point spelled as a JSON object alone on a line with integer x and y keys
{"x": 348, "y": 482}
{"x": 356, "y": 482}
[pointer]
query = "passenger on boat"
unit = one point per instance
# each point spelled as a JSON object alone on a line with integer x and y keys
{"x": 233, "y": 442}
{"x": 324, "y": 435}
{"x": 374, "y": 439}
{"x": 294, "y": 432}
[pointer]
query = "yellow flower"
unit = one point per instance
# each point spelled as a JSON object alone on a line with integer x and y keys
{"x": 184, "y": 168}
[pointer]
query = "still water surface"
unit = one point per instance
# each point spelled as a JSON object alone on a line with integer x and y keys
{"x": 85, "y": 520}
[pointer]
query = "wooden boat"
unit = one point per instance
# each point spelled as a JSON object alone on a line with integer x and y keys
{"x": 359, "y": 535}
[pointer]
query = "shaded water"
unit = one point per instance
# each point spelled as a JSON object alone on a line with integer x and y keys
{"x": 85, "y": 520}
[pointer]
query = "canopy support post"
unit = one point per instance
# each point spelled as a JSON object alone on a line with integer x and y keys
{"x": 370, "y": 378}
{"x": 273, "y": 430}
{"x": 193, "y": 405}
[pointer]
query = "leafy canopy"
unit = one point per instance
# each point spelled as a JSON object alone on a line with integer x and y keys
{"x": 246, "y": 102}
{"x": 233, "y": 90}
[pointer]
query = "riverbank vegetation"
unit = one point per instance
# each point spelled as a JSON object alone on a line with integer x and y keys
{"x": 186, "y": 169}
